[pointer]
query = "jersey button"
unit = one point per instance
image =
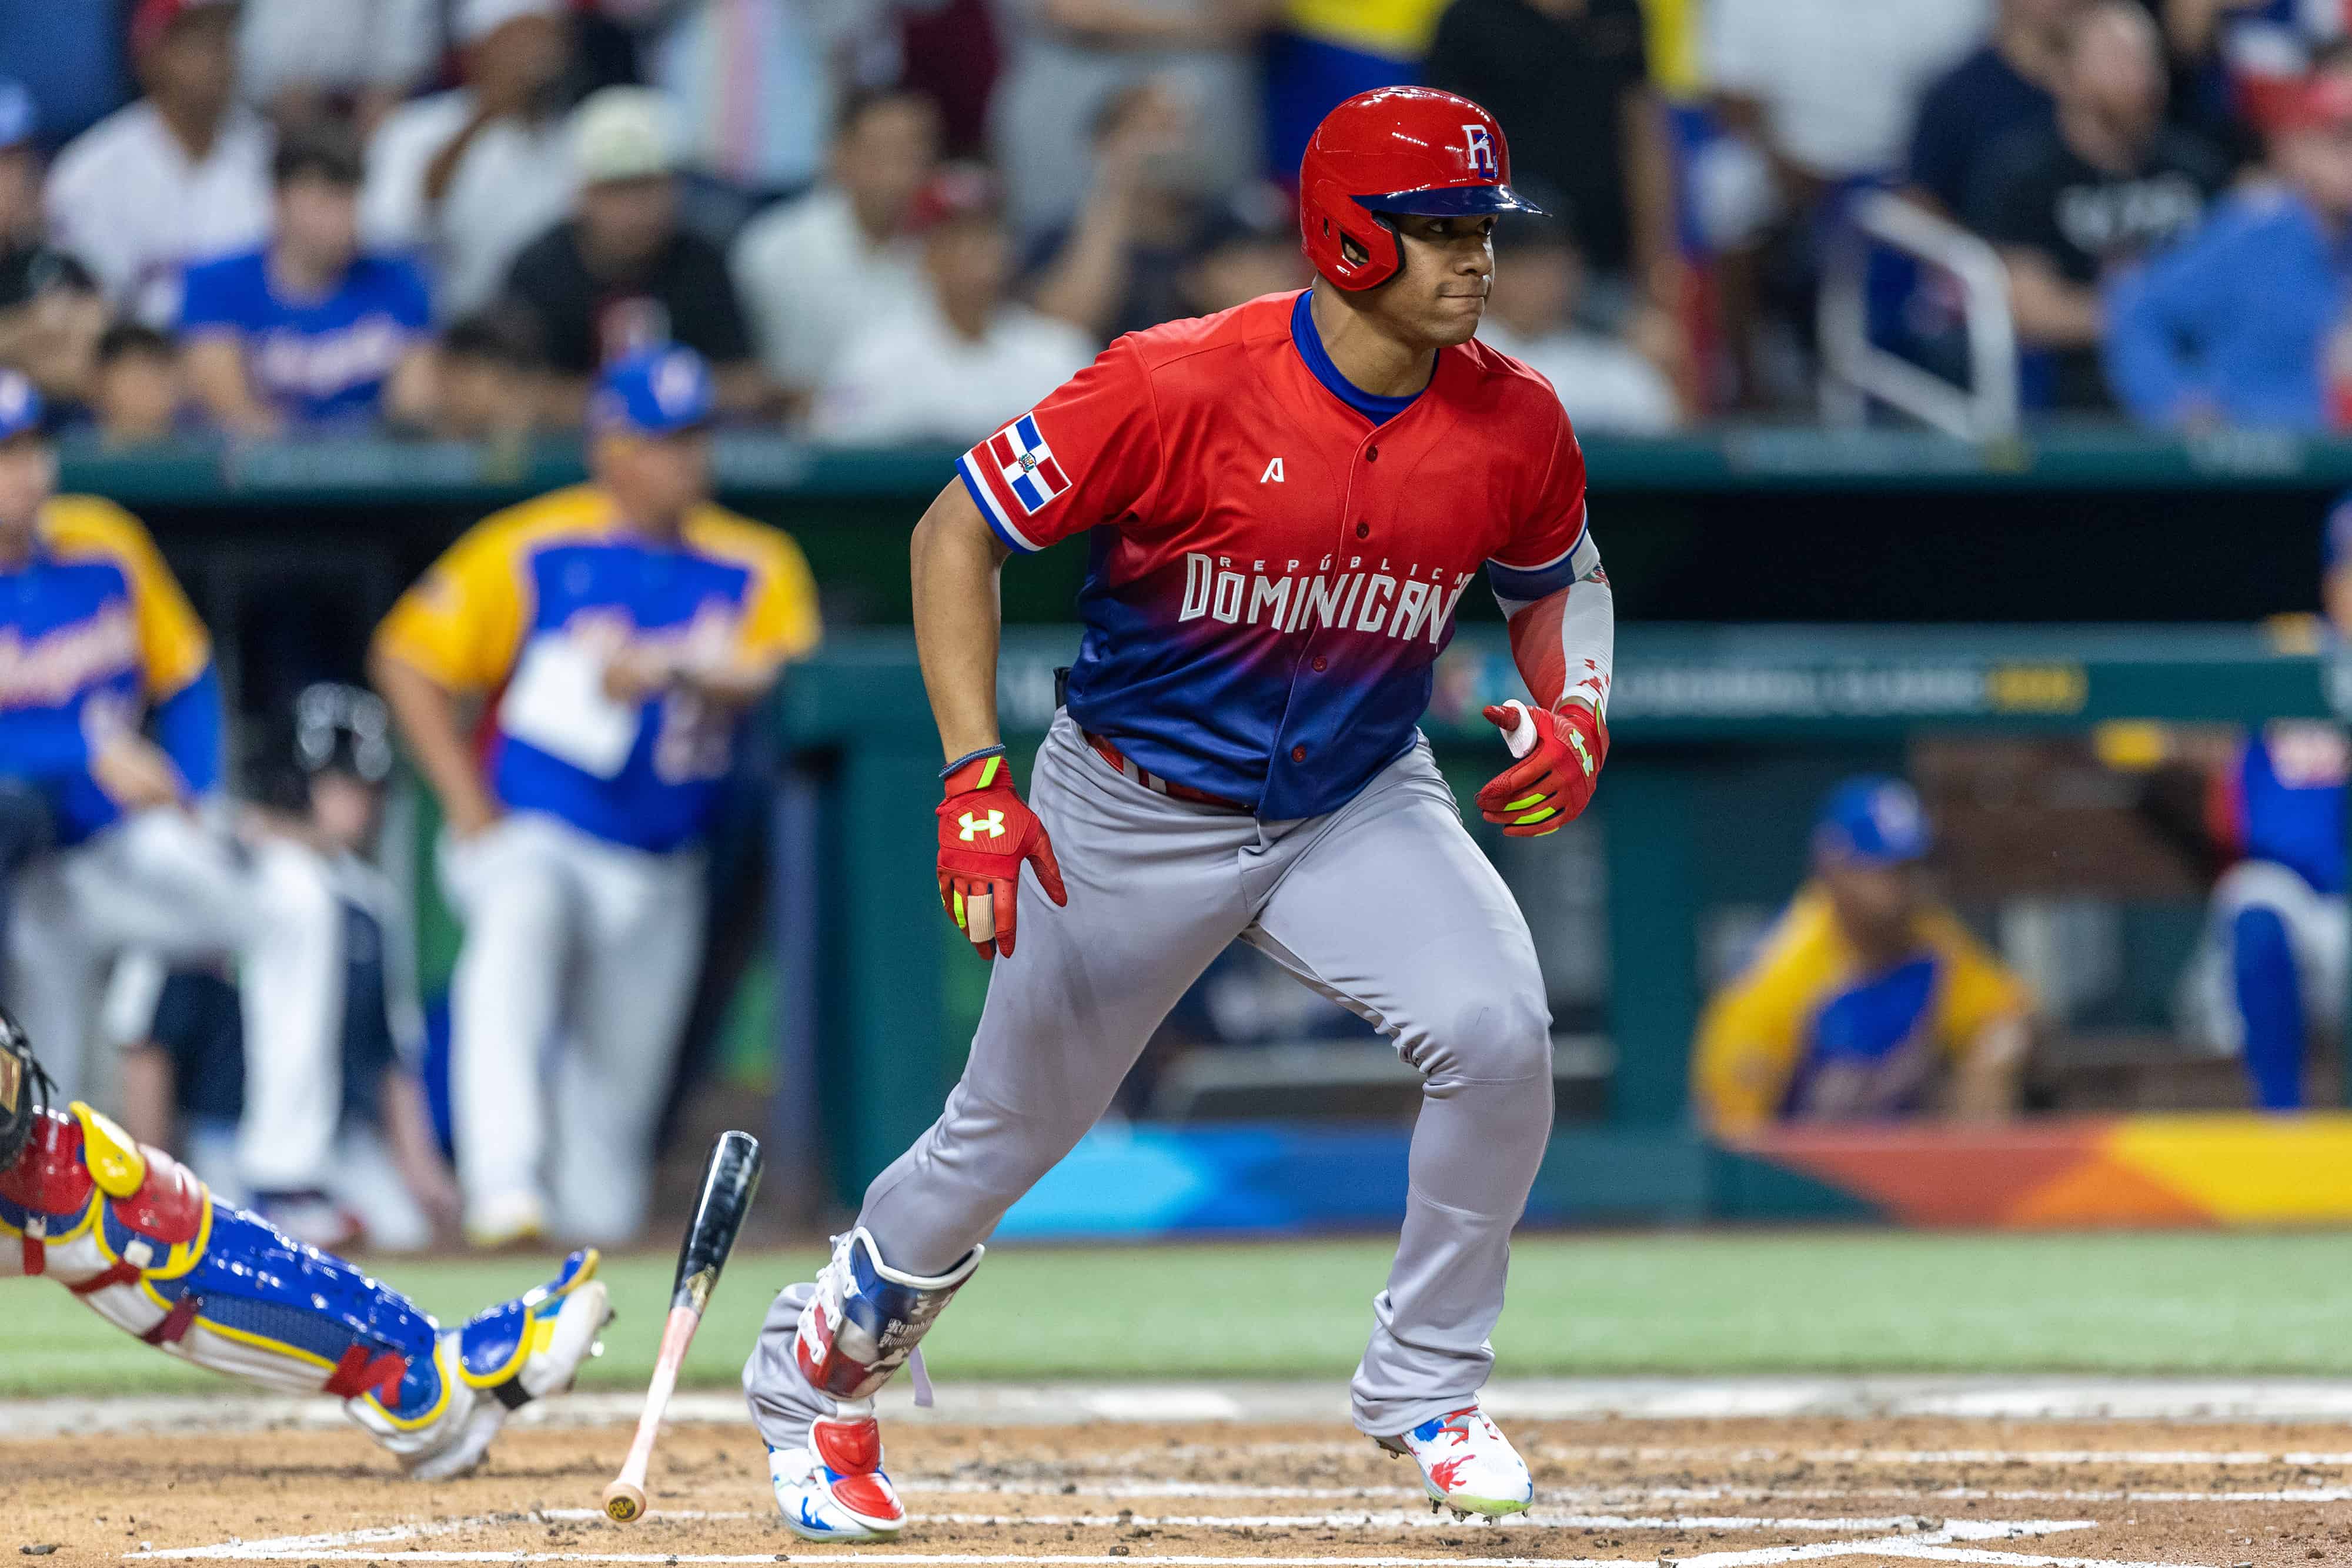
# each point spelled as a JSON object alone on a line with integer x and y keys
{"x": 1363, "y": 531}
{"x": 1298, "y": 754}
{"x": 1371, "y": 455}
{"x": 1321, "y": 663}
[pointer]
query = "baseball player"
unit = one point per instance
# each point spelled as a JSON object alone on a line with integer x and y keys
{"x": 618, "y": 630}
{"x": 154, "y": 1253}
{"x": 98, "y": 644}
{"x": 333, "y": 1144}
{"x": 1288, "y": 501}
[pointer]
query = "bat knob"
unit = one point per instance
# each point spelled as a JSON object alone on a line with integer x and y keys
{"x": 624, "y": 1503}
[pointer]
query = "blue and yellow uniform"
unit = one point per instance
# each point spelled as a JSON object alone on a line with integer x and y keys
{"x": 95, "y": 636}
{"x": 145, "y": 1244}
{"x": 528, "y": 605}
{"x": 1806, "y": 1003}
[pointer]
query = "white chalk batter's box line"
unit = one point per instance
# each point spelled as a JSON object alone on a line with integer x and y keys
{"x": 2014, "y": 1458}
{"x": 1942, "y": 1543}
{"x": 947, "y": 1486}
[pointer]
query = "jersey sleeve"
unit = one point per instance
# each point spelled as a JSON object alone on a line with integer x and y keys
{"x": 1088, "y": 455}
{"x": 462, "y": 622}
{"x": 1977, "y": 988}
{"x": 1549, "y": 545}
{"x": 779, "y": 618}
{"x": 174, "y": 649}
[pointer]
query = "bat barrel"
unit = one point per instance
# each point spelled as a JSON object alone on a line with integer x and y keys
{"x": 730, "y": 1179}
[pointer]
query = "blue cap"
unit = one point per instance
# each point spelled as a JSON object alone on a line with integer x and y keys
{"x": 1873, "y": 820}
{"x": 20, "y": 406}
{"x": 18, "y": 116}
{"x": 655, "y": 392}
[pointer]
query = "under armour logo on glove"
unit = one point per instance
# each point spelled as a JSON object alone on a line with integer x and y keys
{"x": 987, "y": 833}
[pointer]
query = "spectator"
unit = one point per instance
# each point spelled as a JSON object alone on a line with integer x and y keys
{"x": 180, "y": 176}
{"x": 1322, "y": 55}
{"x": 1570, "y": 80}
{"x": 2004, "y": 86}
{"x": 2234, "y": 324}
{"x": 301, "y": 61}
{"x": 137, "y": 394}
{"x": 50, "y": 312}
{"x": 1821, "y": 94}
{"x": 1242, "y": 249}
{"x": 1605, "y": 383}
{"x": 1868, "y": 999}
{"x": 493, "y": 376}
{"x": 754, "y": 86}
{"x": 850, "y": 232}
{"x": 307, "y": 331}
{"x": 622, "y": 275}
{"x": 2104, "y": 186}
{"x": 968, "y": 358}
{"x": 467, "y": 178}
{"x": 1064, "y": 58}
{"x": 1828, "y": 89}
{"x": 1114, "y": 269}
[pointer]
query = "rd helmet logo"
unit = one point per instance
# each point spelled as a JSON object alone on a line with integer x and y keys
{"x": 1480, "y": 143}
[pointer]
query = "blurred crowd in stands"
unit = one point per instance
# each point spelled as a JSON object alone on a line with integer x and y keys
{"x": 895, "y": 220}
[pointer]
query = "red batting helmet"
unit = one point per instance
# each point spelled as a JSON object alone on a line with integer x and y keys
{"x": 1397, "y": 149}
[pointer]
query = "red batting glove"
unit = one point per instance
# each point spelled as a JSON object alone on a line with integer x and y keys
{"x": 1553, "y": 782}
{"x": 986, "y": 832}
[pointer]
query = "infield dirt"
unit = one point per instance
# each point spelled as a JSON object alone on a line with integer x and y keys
{"x": 1695, "y": 1493}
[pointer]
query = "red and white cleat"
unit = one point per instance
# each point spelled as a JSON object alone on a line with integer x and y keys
{"x": 1467, "y": 1464}
{"x": 835, "y": 1490}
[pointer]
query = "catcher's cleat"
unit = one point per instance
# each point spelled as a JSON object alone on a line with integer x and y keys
{"x": 1467, "y": 1464}
{"x": 517, "y": 1352}
{"x": 834, "y": 1490}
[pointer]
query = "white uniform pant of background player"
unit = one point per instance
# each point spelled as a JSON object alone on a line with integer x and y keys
{"x": 293, "y": 1136}
{"x": 1386, "y": 905}
{"x": 161, "y": 882}
{"x": 588, "y": 948}
{"x": 2317, "y": 930}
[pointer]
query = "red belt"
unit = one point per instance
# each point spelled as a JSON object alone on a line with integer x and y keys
{"x": 1159, "y": 786}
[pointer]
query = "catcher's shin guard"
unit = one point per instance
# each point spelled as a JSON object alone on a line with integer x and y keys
{"x": 867, "y": 1317}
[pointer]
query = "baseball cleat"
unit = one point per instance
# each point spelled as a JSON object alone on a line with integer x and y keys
{"x": 834, "y": 1490}
{"x": 1467, "y": 1464}
{"x": 517, "y": 1352}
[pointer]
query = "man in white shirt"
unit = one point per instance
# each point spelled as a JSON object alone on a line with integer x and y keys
{"x": 297, "y": 59}
{"x": 1831, "y": 87}
{"x": 180, "y": 176}
{"x": 813, "y": 272}
{"x": 467, "y": 178}
{"x": 967, "y": 358}
{"x": 1603, "y": 381}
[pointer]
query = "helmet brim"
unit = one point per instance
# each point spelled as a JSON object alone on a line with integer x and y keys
{"x": 1452, "y": 201}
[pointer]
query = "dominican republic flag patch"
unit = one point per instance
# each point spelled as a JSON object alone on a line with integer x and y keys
{"x": 1027, "y": 464}
{"x": 1012, "y": 469}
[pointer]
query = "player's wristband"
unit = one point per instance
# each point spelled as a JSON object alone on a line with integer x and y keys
{"x": 969, "y": 758}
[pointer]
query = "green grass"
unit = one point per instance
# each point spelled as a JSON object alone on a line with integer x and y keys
{"x": 1834, "y": 1300}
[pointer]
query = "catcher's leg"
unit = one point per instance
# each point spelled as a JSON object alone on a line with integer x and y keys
{"x": 140, "y": 1241}
{"x": 1394, "y": 913}
{"x": 1154, "y": 894}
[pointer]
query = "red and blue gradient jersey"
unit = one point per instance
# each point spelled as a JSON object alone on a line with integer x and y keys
{"x": 1273, "y": 575}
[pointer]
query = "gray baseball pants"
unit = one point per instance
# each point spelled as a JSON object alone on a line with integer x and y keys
{"x": 1385, "y": 905}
